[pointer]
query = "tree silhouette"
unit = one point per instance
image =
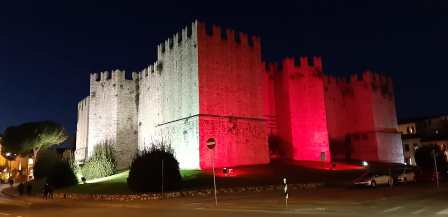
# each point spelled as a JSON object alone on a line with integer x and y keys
{"x": 31, "y": 137}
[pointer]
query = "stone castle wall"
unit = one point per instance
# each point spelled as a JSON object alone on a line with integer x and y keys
{"x": 212, "y": 83}
{"x": 82, "y": 126}
{"x": 231, "y": 98}
{"x": 113, "y": 115}
{"x": 306, "y": 110}
{"x": 169, "y": 98}
{"x": 361, "y": 111}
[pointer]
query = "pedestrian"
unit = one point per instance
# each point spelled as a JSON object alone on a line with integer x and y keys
{"x": 21, "y": 189}
{"x": 45, "y": 191}
{"x": 285, "y": 191}
{"x": 50, "y": 191}
{"x": 29, "y": 188}
{"x": 11, "y": 182}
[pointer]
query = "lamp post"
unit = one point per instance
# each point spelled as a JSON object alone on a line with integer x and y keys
{"x": 211, "y": 143}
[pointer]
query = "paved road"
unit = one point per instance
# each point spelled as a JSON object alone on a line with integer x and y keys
{"x": 411, "y": 200}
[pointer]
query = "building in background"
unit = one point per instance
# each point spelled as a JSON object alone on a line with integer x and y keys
{"x": 423, "y": 131}
{"x": 209, "y": 82}
{"x": 21, "y": 168}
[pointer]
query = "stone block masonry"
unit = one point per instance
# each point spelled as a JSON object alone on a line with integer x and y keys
{"x": 209, "y": 82}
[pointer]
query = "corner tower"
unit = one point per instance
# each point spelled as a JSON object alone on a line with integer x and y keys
{"x": 113, "y": 115}
{"x": 206, "y": 83}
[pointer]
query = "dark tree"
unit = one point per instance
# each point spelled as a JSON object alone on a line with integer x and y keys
{"x": 146, "y": 173}
{"x": 32, "y": 137}
{"x": 424, "y": 157}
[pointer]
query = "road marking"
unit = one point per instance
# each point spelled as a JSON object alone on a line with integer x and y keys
{"x": 393, "y": 209}
{"x": 418, "y": 211}
{"x": 443, "y": 212}
{"x": 284, "y": 212}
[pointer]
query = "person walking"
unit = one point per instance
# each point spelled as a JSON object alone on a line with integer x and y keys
{"x": 45, "y": 191}
{"x": 21, "y": 189}
{"x": 50, "y": 191}
{"x": 29, "y": 188}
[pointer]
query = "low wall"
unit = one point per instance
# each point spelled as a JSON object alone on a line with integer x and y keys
{"x": 192, "y": 193}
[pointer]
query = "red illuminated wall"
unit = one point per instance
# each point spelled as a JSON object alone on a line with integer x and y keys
{"x": 231, "y": 98}
{"x": 361, "y": 118}
{"x": 302, "y": 112}
{"x": 242, "y": 102}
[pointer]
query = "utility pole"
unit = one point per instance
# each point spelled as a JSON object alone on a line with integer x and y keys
{"x": 211, "y": 143}
{"x": 435, "y": 168}
{"x": 162, "y": 178}
{"x": 214, "y": 177}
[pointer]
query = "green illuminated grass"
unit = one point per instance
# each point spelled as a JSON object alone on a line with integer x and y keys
{"x": 247, "y": 176}
{"x": 116, "y": 184}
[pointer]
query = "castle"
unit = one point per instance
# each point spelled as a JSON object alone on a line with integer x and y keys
{"x": 213, "y": 83}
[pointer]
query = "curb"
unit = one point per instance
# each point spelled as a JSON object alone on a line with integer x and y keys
{"x": 177, "y": 194}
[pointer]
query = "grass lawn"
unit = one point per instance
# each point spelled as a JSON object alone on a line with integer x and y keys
{"x": 240, "y": 176}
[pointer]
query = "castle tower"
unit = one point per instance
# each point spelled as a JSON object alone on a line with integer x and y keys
{"x": 206, "y": 83}
{"x": 301, "y": 110}
{"x": 82, "y": 130}
{"x": 362, "y": 119}
{"x": 112, "y": 117}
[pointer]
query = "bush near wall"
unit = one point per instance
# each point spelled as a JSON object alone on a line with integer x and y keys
{"x": 57, "y": 171}
{"x": 146, "y": 171}
{"x": 101, "y": 164}
{"x": 46, "y": 159}
{"x": 62, "y": 175}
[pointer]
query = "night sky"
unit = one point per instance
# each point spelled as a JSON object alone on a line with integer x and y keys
{"x": 48, "y": 48}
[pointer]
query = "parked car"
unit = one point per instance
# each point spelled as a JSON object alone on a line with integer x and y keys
{"x": 405, "y": 176}
{"x": 374, "y": 179}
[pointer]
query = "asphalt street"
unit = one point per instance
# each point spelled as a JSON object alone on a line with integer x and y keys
{"x": 409, "y": 200}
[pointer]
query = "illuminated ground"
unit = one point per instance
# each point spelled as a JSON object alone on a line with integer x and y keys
{"x": 297, "y": 172}
{"x": 406, "y": 201}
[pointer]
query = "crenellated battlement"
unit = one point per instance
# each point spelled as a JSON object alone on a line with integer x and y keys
{"x": 366, "y": 77}
{"x": 84, "y": 103}
{"x": 303, "y": 63}
{"x": 184, "y": 37}
{"x": 229, "y": 36}
{"x": 150, "y": 71}
{"x": 377, "y": 82}
{"x": 115, "y": 75}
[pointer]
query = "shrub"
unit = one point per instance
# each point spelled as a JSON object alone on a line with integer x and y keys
{"x": 62, "y": 175}
{"x": 45, "y": 162}
{"x": 69, "y": 157}
{"x": 58, "y": 172}
{"x": 145, "y": 174}
{"x": 101, "y": 163}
